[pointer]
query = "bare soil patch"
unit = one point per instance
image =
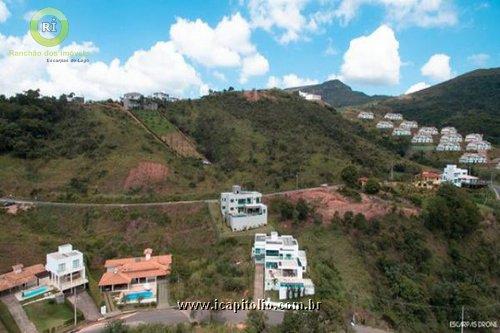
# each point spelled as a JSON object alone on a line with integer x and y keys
{"x": 146, "y": 174}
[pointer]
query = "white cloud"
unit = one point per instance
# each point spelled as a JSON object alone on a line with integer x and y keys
{"x": 422, "y": 13}
{"x": 416, "y": 87}
{"x": 222, "y": 46}
{"x": 284, "y": 15}
{"x": 254, "y": 65}
{"x": 479, "y": 59}
{"x": 160, "y": 68}
{"x": 334, "y": 76}
{"x": 288, "y": 81}
{"x": 219, "y": 75}
{"x": 373, "y": 59}
{"x": 29, "y": 15}
{"x": 437, "y": 67}
{"x": 4, "y": 12}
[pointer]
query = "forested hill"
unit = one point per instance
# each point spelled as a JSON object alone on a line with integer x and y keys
{"x": 338, "y": 94}
{"x": 470, "y": 102}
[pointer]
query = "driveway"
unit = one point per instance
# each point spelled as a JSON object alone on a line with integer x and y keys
{"x": 258, "y": 283}
{"x": 17, "y": 311}
{"x": 86, "y": 305}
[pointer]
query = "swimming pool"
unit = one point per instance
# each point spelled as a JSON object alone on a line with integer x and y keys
{"x": 34, "y": 292}
{"x": 135, "y": 295}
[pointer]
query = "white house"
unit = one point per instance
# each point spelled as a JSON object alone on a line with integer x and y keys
{"x": 471, "y": 158}
{"x": 422, "y": 138}
{"x": 384, "y": 124}
{"x": 66, "y": 268}
{"x": 448, "y": 146}
{"x": 453, "y": 138}
{"x": 448, "y": 130}
{"x": 393, "y": 116}
{"x": 453, "y": 175}
{"x": 284, "y": 265}
{"x": 428, "y": 130}
{"x": 132, "y": 100}
{"x": 243, "y": 210}
{"x": 408, "y": 124}
{"x": 478, "y": 146}
{"x": 473, "y": 137}
{"x": 366, "y": 115}
{"x": 400, "y": 131}
{"x": 309, "y": 97}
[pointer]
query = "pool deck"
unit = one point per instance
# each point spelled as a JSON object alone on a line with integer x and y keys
{"x": 20, "y": 298}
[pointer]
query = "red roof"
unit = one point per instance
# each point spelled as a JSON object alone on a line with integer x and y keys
{"x": 21, "y": 276}
{"x": 122, "y": 271}
{"x": 430, "y": 174}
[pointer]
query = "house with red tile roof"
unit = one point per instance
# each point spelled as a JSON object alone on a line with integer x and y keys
{"x": 21, "y": 277}
{"x": 132, "y": 273}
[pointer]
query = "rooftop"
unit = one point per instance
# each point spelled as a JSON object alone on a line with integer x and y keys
{"x": 19, "y": 275}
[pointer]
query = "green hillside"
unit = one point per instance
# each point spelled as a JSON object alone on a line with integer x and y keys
{"x": 337, "y": 94}
{"x": 52, "y": 149}
{"x": 469, "y": 102}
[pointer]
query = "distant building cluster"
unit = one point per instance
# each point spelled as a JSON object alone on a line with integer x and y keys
{"x": 449, "y": 139}
{"x": 135, "y": 100}
{"x": 451, "y": 174}
{"x": 309, "y": 97}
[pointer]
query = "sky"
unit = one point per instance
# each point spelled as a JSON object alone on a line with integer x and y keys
{"x": 185, "y": 48}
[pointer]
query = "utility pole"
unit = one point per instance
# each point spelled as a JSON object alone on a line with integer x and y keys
{"x": 74, "y": 294}
{"x": 297, "y": 178}
{"x": 462, "y": 323}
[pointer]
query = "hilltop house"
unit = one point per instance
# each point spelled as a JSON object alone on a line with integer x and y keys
{"x": 472, "y": 158}
{"x": 460, "y": 178}
{"x": 393, "y": 116}
{"x": 473, "y": 137}
{"x": 453, "y": 138}
{"x": 409, "y": 124}
{"x": 428, "y": 131}
{"x": 448, "y": 130}
{"x": 243, "y": 210}
{"x": 422, "y": 138}
{"x": 478, "y": 146}
{"x": 384, "y": 124}
{"x": 309, "y": 97}
{"x": 400, "y": 131}
{"x": 284, "y": 265}
{"x": 448, "y": 146}
{"x": 427, "y": 180}
{"x": 139, "y": 275}
{"x": 132, "y": 100}
{"x": 66, "y": 268}
{"x": 366, "y": 115}
{"x": 21, "y": 278}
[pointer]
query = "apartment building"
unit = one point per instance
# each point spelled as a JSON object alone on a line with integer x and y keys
{"x": 401, "y": 131}
{"x": 409, "y": 124}
{"x": 472, "y": 158}
{"x": 422, "y": 138}
{"x": 309, "y": 97}
{"x": 448, "y": 130}
{"x": 473, "y": 137}
{"x": 478, "y": 146}
{"x": 428, "y": 131}
{"x": 366, "y": 115}
{"x": 448, "y": 146}
{"x": 66, "y": 268}
{"x": 284, "y": 265}
{"x": 393, "y": 116}
{"x": 384, "y": 124}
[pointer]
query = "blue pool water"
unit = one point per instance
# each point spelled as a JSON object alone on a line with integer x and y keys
{"x": 135, "y": 295}
{"x": 34, "y": 292}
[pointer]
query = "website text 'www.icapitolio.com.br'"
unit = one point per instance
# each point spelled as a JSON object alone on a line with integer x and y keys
{"x": 235, "y": 306}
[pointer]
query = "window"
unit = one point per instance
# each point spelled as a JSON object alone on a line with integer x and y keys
{"x": 223, "y": 207}
{"x": 232, "y": 200}
{"x": 61, "y": 267}
{"x": 249, "y": 200}
{"x": 76, "y": 263}
{"x": 257, "y": 200}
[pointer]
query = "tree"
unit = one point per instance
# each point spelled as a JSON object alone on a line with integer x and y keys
{"x": 115, "y": 326}
{"x": 372, "y": 186}
{"x": 302, "y": 209}
{"x": 350, "y": 175}
{"x": 256, "y": 321}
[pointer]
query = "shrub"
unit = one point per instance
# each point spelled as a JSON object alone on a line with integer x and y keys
{"x": 350, "y": 175}
{"x": 372, "y": 186}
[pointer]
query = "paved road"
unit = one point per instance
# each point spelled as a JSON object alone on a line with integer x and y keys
{"x": 17, "y": 311}
{"x": 136, "y": 204}
{"x": 258, "y": 282}
{"x": 496, "y": 189}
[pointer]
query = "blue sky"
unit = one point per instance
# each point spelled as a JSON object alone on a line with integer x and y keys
{"x": 377, "y": 46}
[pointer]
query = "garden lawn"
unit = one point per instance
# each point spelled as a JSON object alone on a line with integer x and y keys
{"x": 48, "y": 314}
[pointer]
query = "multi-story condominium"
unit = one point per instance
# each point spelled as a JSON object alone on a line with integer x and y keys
{"x": 132, "y": 100}
{"x": 428, "y": 131}
{"x": 478, "y": 146}
{"x": 243, "y": 210}
{"x": 471, "y": 158}
{"x": 400, "y": 131}
{"x": 448, "y": 130}
{"x": 473, "y": 137}
{"x": 448, "y": 146}
{"x": 393, "y": 116}
{"x": 384, "y": 124}
{"x": 453, "y": 138}
{"x": 453, "y": 175}
{"x": 366, "y": 115}
{"x": 284, "y": 265}
{"x": 66, "y": 268}
{"x": 422, "y": 138}
{"x": 408, "y": 124}
{"x": 309, "y": 97}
